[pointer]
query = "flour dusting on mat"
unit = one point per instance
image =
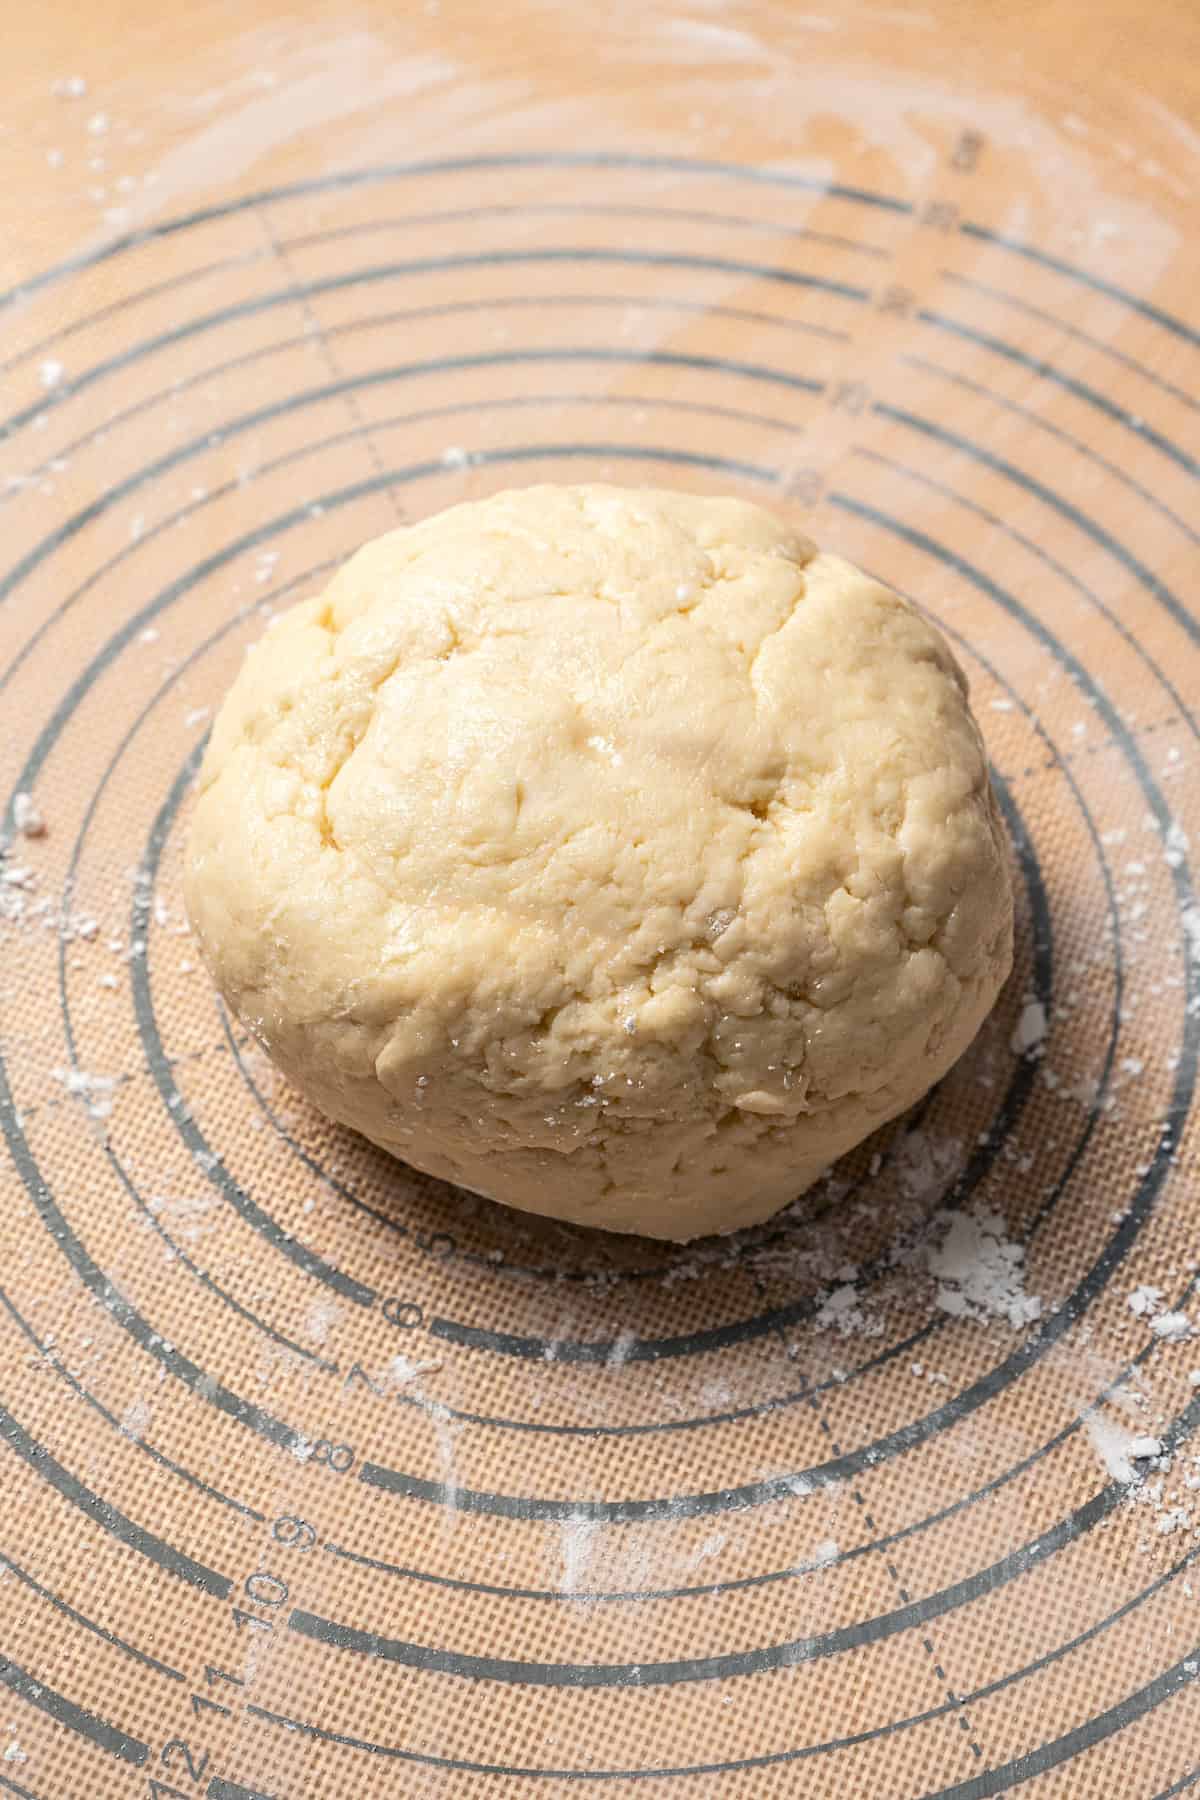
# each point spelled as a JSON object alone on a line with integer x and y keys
{"x": 95, "y": 1090}
{"x": 1119, "y": 1448}
{"x": 1030, "y": 1029}
{"x": 577, "y": 1535}
{"x": 27, "y": 816}
{"x": 825, "y": 1553}
{"x": 1144, "y": 1300}
{"x": 842, "y": 1311}
{"x": 980, "y": 1274}
{"x": 1148, "y": 1303}
{"x": 1171, "y": 1327}
{"x": 925, "y": 1164}
{"x": 403, "y": 1370}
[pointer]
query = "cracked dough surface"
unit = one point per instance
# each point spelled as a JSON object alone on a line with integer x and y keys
{"x": 612, "y": 852}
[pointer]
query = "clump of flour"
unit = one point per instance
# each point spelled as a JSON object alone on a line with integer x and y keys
{"x": 980, "y": 1274}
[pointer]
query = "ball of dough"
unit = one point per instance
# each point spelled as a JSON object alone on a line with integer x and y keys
{"x": 615, "y": 853}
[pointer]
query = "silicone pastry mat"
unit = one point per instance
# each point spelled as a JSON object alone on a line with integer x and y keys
{"x": 319, "y": 1479}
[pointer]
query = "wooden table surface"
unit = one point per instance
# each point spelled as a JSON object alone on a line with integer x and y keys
{"x": 220, "y": 94}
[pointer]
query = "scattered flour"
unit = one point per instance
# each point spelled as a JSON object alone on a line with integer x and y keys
{"x": 842, "y": 1311}
{"x": 26, "y": 817}
{"x": 577, "y": 1536}
{"x": 446, "y": 1436}
{"x": 1171, "y": 1327}
{"x": 321, "y": 1317}
{"x": 1119, "y": 1449}
{"x": 95, "y": 1090}
{"x": 825, "y": 1553}
{"x": 980, "y": 1274}
{"x": 135, "y": 1420}
{"x": 1146, "y": 1302}
{"x": 1190, "y": 920}
{"x": 1175, "y": 845}
{"x": 1172, "y": 1519}
{"x": 925, "y": 1164}
{"x": 402, "y": 1370}
{"x": 622, "y": 1349}
{"x": 1030, "y": 1029}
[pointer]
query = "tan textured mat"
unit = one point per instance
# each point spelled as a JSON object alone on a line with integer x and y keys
{"x": 321, "y": 1480}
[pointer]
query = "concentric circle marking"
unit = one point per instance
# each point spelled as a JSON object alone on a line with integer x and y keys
{"x": 677, "y": 1505}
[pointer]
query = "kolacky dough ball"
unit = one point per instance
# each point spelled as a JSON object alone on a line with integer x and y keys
{"x": 615, "y": 853}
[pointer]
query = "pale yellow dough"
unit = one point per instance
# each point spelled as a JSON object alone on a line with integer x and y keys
{"x": 615, "y": 853}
